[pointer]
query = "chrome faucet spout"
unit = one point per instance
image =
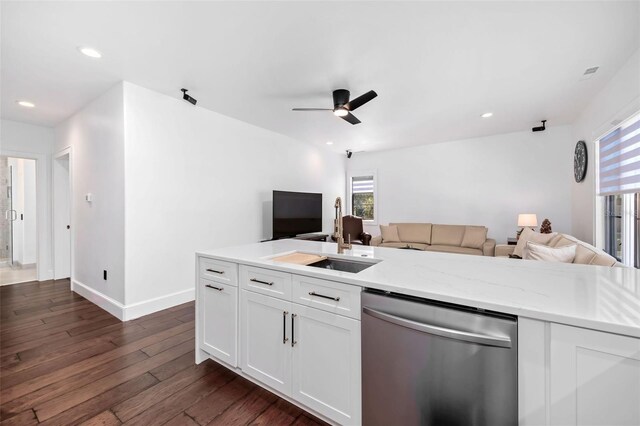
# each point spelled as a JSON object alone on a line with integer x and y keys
{"x": 338, "y": 233}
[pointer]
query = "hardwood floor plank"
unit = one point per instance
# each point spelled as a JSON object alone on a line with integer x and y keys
{"x": 214, "y": 404}
{"x": 245, "y": 410}
{"x": 57, "y": 405}
{"x": 106, "y": 418}
{"x": 280, "y": 412}
{"x": 170, "y": 407}
{"x": 61, "y": 387}
{"x": 155, "y": 394}
{"x": 25, "y": 418}
{"x": 101, "y": 402}
{"x": 65, "y": 361}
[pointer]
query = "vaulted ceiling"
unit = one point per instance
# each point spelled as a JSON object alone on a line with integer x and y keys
{"x": 437, "y": 66}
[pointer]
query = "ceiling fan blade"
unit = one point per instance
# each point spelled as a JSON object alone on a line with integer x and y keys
{"x": 361, "y": 100}
{"x": 311, "y": 109}
{"x": 351, "y": 118}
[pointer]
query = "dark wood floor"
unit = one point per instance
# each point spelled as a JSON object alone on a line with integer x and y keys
{"x": 64, "y": 361}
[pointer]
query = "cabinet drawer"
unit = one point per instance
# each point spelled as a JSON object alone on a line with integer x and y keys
{"x": 342, "y": 299}
{"x": 218, "y": 270}
{"x": 265, "y": 281}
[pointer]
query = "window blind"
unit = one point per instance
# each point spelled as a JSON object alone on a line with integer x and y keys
{"x": 362, "y": 184}
{"x": 619, "y": 164}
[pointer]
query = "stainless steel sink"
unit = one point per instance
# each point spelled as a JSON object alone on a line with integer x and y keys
{"x": 342, "y": 265}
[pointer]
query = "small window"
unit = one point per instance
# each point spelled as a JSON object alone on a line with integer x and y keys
{"x": 362, "y": 196}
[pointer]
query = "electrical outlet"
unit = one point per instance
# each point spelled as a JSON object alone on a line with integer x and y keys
{"x": 104, "y": 274}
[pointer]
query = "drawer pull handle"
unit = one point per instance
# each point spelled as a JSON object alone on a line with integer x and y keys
{"x": 293, "y": 330}
{"x": 261, "y": 282}
{"x": 313, "y": 293}
{"x": 215, "y": 272}
{"x": 215, "y": 288}
{"x": 284, "y": 327}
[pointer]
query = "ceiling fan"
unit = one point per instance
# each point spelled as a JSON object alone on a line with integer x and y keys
{"x": 342, "y": 107}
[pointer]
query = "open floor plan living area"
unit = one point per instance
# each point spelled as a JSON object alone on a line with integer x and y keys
{"x": 377, "y": 213}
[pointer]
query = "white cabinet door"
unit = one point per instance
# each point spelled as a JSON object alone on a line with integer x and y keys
{"x": 265, "y": 340}
{"x": 594, "y": 377}
{"x": 326, "y": 364}
{"x": 219, "y": 328}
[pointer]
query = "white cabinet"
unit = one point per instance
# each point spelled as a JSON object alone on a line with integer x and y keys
{"x": 594, "y": 377}
{"x": 326, "y": 363}
{"x": 265, "y": 346}
{"x": 219, "y": 320}
{"x": 310, "y": 355}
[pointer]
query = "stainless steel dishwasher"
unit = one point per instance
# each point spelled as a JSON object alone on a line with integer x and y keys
{"x": 432, "y": 363}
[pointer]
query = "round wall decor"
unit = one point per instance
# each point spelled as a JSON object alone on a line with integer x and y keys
{"x": 580, "y": 161}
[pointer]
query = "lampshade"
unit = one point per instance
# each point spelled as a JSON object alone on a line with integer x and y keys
{"x": 527, "y": 219}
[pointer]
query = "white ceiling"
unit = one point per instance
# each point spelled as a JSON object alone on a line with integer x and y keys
{"x": 437, "y": 66}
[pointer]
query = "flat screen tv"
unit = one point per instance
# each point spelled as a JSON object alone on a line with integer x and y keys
{"x": 296, "y": 213}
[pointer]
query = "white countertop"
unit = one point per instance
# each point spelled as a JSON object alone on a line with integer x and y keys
{"x": 596, "y": 297}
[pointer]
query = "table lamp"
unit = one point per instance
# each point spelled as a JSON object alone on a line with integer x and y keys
{"x": 527, "y": 220}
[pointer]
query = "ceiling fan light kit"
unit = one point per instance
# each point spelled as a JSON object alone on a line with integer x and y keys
{"x": 342, "y": 107}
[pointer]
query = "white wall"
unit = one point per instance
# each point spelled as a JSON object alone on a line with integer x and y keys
{"x": 619, "y": 99}
{"x": 483, "y": 181}
{"x": 196, "y": 179}
{"x": 29, "y": 141}
{"x": 96, "y": 137}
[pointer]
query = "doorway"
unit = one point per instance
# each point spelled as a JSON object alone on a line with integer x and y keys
{"x": 61, "y": 216}
{"x": 18, "y": 228}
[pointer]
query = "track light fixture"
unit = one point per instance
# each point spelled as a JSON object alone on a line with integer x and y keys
{"x": 188, "y": 98}
{"x": 349, "y": 153}
{"x": 539, "y": 128}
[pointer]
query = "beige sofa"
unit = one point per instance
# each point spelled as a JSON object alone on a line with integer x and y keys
{"x": 442, "y": 238}
{"x": 586, "y": 254}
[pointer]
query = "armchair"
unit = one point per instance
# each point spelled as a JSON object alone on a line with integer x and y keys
{"x": 353, "y": 231}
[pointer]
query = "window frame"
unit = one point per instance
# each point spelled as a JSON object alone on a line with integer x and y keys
{"x": 361, "y": 173}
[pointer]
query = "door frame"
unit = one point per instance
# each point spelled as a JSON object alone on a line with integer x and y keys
{"x": 68, "y": 151}
{"x": 41, "y": 202}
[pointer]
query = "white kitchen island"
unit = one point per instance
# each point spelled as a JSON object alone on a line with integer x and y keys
{"x": 578, "y": 325}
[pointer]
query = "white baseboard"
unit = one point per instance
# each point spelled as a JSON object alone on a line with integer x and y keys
{"x": 134, "y": 310}
{"x": 146, "y": 307}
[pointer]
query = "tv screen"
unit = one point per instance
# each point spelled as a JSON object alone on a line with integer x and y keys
{"x": 296, "y": 213}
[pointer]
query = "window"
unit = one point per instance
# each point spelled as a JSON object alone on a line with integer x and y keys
{"x": 619, "y": 185}
{"x": 362, "y": 196}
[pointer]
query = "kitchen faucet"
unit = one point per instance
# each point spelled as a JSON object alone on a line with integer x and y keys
{"x": 337, "y": 229}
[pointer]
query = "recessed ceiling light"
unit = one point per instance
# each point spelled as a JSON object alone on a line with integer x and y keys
{"x": 26, "y": 104}
{"x": 90, "y": 52}
{"x": 329, "y": 143}
{"x": 487, "y": 115}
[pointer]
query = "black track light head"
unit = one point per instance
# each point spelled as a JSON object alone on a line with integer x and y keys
{"x": 349, "y": 153}
{"x": 540, "y": 128}
{"x": 188, "y": 98}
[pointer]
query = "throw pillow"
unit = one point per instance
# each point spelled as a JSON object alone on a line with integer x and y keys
{"x": 565, "y": 254}
{"x": 389, "y": 234}
{"x": 474, "y": 237}
{"x": 529, "y": 235}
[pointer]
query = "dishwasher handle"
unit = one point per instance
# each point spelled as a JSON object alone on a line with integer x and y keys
{"x": 481, "y": 339}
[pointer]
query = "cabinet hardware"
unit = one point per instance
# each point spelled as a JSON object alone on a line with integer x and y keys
{"x": 261, "y": 282}
{"x": 313, "y": 293}
{"x": 215, "y": 288}
{"x": 215, "y": 272}
{"x": 284, "y": 327}
{"x": 293, "y": 328}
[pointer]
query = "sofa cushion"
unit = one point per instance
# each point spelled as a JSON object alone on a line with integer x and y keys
{"x": 586, "y": 254}
{"x": 389, "y": 234}
{"x": 454, "y": 249}
{"x": 393, "y": 245}
{"x": 414, "y": 232}
{"x": 474, "y": 237}
{"x": 529, "y": 235}
{"x": 535, "y": 251}
{"x": 447, "y": 235}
